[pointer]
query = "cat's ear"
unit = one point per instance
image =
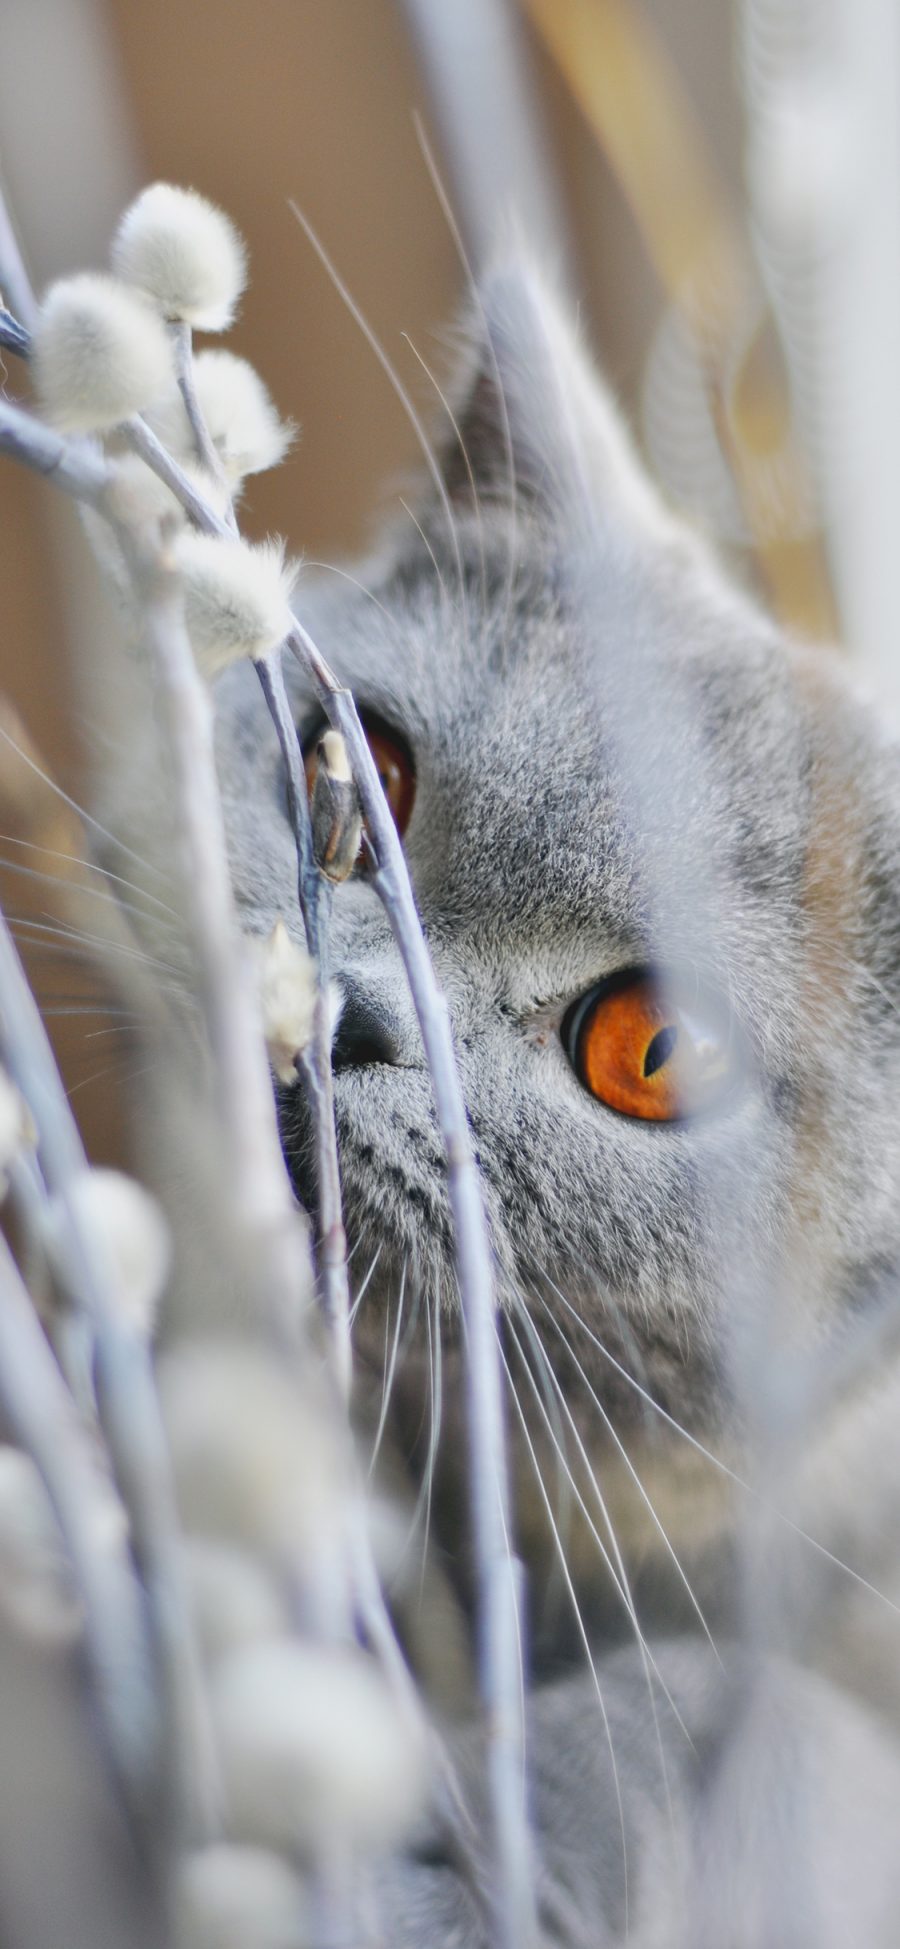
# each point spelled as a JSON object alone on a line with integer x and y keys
{"x": 533, "y": 419}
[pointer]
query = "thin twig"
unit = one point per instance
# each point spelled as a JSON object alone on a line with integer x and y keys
{"x": 258, "y": 1185}
{"x": 126, "y": 1396}
{"x": 207, "y": 451}
{"x": 499, "y": 1574}
{"x": 13, "y": 336}
{"x": 77, "y": 466}
{"x": 15, "y": 284}
{"x": 314, "y": 898}
{"x": 498, "y": 1571}
{"x": 39, "y": 1410}
{"x": 314, "y": 895}
{"x": 312, "y": 890}
{"x": 145, "y": 442}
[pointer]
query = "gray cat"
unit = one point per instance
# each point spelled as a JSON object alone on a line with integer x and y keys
{"x": 654, "y": 845}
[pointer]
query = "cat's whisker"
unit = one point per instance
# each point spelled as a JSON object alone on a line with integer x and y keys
{"x": 563, "y": 1486}
{"x": 103, "y": 872}
{"x": 90, "y": 1009}
{"x": 613, "y": 1559}
{"x": 112, "y": 1028}
{"x": 424, "y": 1496}
{"x": 85, "y": 817}
{"x": 435, "y": 1410}
{"x": 578, "y": 1619}
{"x": 124, "y": 1078}
{"x": 363, "y": 1288}
{"x": 389, "y": 1373}
{"x": 91, "y": 945}
{"x": 721, "y": 1466}
{"x": 632, "y": 1471}
{"x": 77, "y": 889}
{"x": 436, "y": 1401}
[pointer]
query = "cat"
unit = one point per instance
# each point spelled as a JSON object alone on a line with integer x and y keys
{"x": 654, "y": 843}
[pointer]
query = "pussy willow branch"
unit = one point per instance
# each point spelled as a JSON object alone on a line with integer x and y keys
{"x": 127, "y": 1403}
{"x": 39, "y": 1411}
{"x": 207, "y": 451}
{"x": 314, "y": 896}
{"x": 262, "y": 1194}
{"x": 241, "y": 1078}
{"x": 257, "y": 1180}
{"x": 498, "y": 1572}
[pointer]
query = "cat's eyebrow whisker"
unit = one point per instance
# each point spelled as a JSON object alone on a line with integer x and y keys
{"x": 509, "y": 454}
{"x": 333, "y": 569}
{"x": 723, "y": 1467}
{"x": 619, "y": 1573}
{"x": 632, "y": 1471}
{"x": 394, "y": 379}
{"x": 426, "y": 543}
{"x": 457, "y": 429}
{"x": 579, "y": 1621}
{"x": 389, "y": 1373}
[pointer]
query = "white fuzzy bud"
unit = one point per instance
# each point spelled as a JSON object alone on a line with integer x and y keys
{"x": 286, "y": 985}
{"x": 233, "y": 1598}
{"x": 37, "y": 1595}
{"x": 312, "y": 1747}
{"x": 255, "y": 1462}
{"x": 236, "y": 598}
{"x": 238, "y": 1898}
{"x": 133, "y": 1234}
{"x": 184, "y": 254}
{"x": 99, "y": 354}
{"x": 238, "y": 412}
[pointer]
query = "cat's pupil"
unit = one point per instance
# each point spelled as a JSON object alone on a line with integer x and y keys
{"x": 660, "y": 1049}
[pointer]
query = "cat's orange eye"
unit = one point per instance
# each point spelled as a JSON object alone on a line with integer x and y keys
{"x": 644, "y": 1049}
{"x": 395, "y": 769}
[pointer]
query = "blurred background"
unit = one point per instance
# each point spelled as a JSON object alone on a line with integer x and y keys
{"x": 718, "y": 184}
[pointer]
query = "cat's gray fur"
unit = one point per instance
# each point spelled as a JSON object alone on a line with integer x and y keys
{"x": 621, "y": 761}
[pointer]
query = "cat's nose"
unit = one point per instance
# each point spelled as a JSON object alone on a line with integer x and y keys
{"x": 365, "y": 1032}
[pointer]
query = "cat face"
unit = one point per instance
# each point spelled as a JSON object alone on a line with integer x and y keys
{"x": 634, "y": 815}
